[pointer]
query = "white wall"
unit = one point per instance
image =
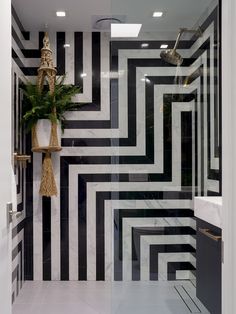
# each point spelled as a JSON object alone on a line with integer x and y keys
{"x": 5, "y": 156}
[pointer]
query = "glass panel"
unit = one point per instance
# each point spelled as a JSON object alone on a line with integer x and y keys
{"x": 167, "y": 141}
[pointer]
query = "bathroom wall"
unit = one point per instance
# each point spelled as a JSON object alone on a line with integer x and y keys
{"x": 146, "y": 142}
{"x": 20, "y": 144}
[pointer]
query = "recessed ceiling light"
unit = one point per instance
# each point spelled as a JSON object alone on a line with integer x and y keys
{"x": 145, "y": 79}
{"x": 157, "y": 14}
{"x": 125, "y": 30}
{"x": 66, "y": 45}
{"x": 61, "y": 13}
{"x": 83, "y": 74}
{"x": 164, "y": 46}
{"x": 144, "y": 45}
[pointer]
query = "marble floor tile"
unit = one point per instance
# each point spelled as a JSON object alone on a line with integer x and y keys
{"x": 106, "y": 298}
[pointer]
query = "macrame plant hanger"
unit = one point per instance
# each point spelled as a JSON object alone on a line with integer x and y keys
{"x": 47, "y": 71}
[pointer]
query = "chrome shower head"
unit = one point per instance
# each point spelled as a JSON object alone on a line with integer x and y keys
{"x": 171, "y": 55}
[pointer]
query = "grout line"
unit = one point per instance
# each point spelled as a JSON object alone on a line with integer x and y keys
{"x": 193, "y": 283}
{"x": 191, "y": 299}
{"x": 183, "y": 299}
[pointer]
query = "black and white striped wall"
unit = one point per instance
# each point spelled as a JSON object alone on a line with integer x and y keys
{"x": 146, "y": 142}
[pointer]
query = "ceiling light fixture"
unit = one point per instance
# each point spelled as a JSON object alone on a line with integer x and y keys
{"x": 66, "y": 45}
{"x": 164, "y": 46}
{"x": 145, "y": 79}
{"x": 157, "y": 14}
{"x": 125, "y": 30}
{"x": 144, "y": 45}
{"x": 83, "y": 74}
{"x": 61, "y": 13}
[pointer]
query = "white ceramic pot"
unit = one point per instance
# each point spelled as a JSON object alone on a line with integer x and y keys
{"x": 43, "y": 131}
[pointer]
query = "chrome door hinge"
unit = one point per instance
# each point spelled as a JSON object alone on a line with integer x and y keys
{"x": 11, "y": 212}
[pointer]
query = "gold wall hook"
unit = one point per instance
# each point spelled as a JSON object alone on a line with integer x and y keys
{"x": 22, "y": 159}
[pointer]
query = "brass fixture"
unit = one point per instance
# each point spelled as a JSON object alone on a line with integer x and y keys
{"x": 171, "y": 55}
{"x": 209, "y": 234}
{"x": 22, "y": 159}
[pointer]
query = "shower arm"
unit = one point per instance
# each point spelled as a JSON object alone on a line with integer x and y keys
{"x": 185, "y": 30}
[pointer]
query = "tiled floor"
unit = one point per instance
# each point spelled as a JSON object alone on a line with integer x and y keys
{"x": 108, "y": 298}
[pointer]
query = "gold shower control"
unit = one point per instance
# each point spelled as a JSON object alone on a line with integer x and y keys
{"x": 22, "y": 159}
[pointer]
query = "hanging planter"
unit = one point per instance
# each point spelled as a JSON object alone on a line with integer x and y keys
{"x": 45, "y": 105}
{"x": 42, "y": 136}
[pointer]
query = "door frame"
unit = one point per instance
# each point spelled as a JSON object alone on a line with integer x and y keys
{"x": 5, "y": 159}
{"x": 229, "y": 155}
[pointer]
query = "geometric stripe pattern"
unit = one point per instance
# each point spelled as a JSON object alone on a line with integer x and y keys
{"x": 22, "y": 177}
{"x": 18, "y": 145}
{"x": 146, "y": 142}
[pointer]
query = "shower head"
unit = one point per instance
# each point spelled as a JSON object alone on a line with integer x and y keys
{"x": 171, "y": 55}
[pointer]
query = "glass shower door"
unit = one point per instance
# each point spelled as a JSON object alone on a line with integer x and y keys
{"x": 166, "y": 141}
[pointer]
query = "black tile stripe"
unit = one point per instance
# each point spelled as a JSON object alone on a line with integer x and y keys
{"x": 17, "y": 250}
{"x": 61, "y": 58}
{"x": 17, "y": 229}
{"x": 17, "y": 39}
{"x": 46, "y": 208}
{"x": 64, "y": 218}
{"x": 15, "y": 273}
{"x": 82, "y": 234}
{"x": 78, "y": 39}
{"x": 165, "y": 248}
{"x": 96, "y": 68}
{"x": 186, "y": 149}
{"x": 26, "y": 71}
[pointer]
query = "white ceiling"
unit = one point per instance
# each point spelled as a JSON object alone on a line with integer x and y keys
{"x": 34, "y": 14}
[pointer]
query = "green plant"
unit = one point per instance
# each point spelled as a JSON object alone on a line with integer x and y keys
{"x": 39, "y": 104}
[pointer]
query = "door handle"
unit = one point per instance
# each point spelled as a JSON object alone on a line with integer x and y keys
{"x": 209, "y": 234}
{"x": 22, "y": 159}
{"x": 12, "y": 213}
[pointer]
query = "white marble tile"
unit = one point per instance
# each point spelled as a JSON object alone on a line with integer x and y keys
{"x": 37, "y": 218}
{"x": 106, "y": 298}
{"x": 213, "y": 185}
{"x": 55, "y": 223}
{"x": 73, "y": 226}
{"x": 105, "y": 80}
{"x": 185, "y": 275}
{"x": 69, "y": 58}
